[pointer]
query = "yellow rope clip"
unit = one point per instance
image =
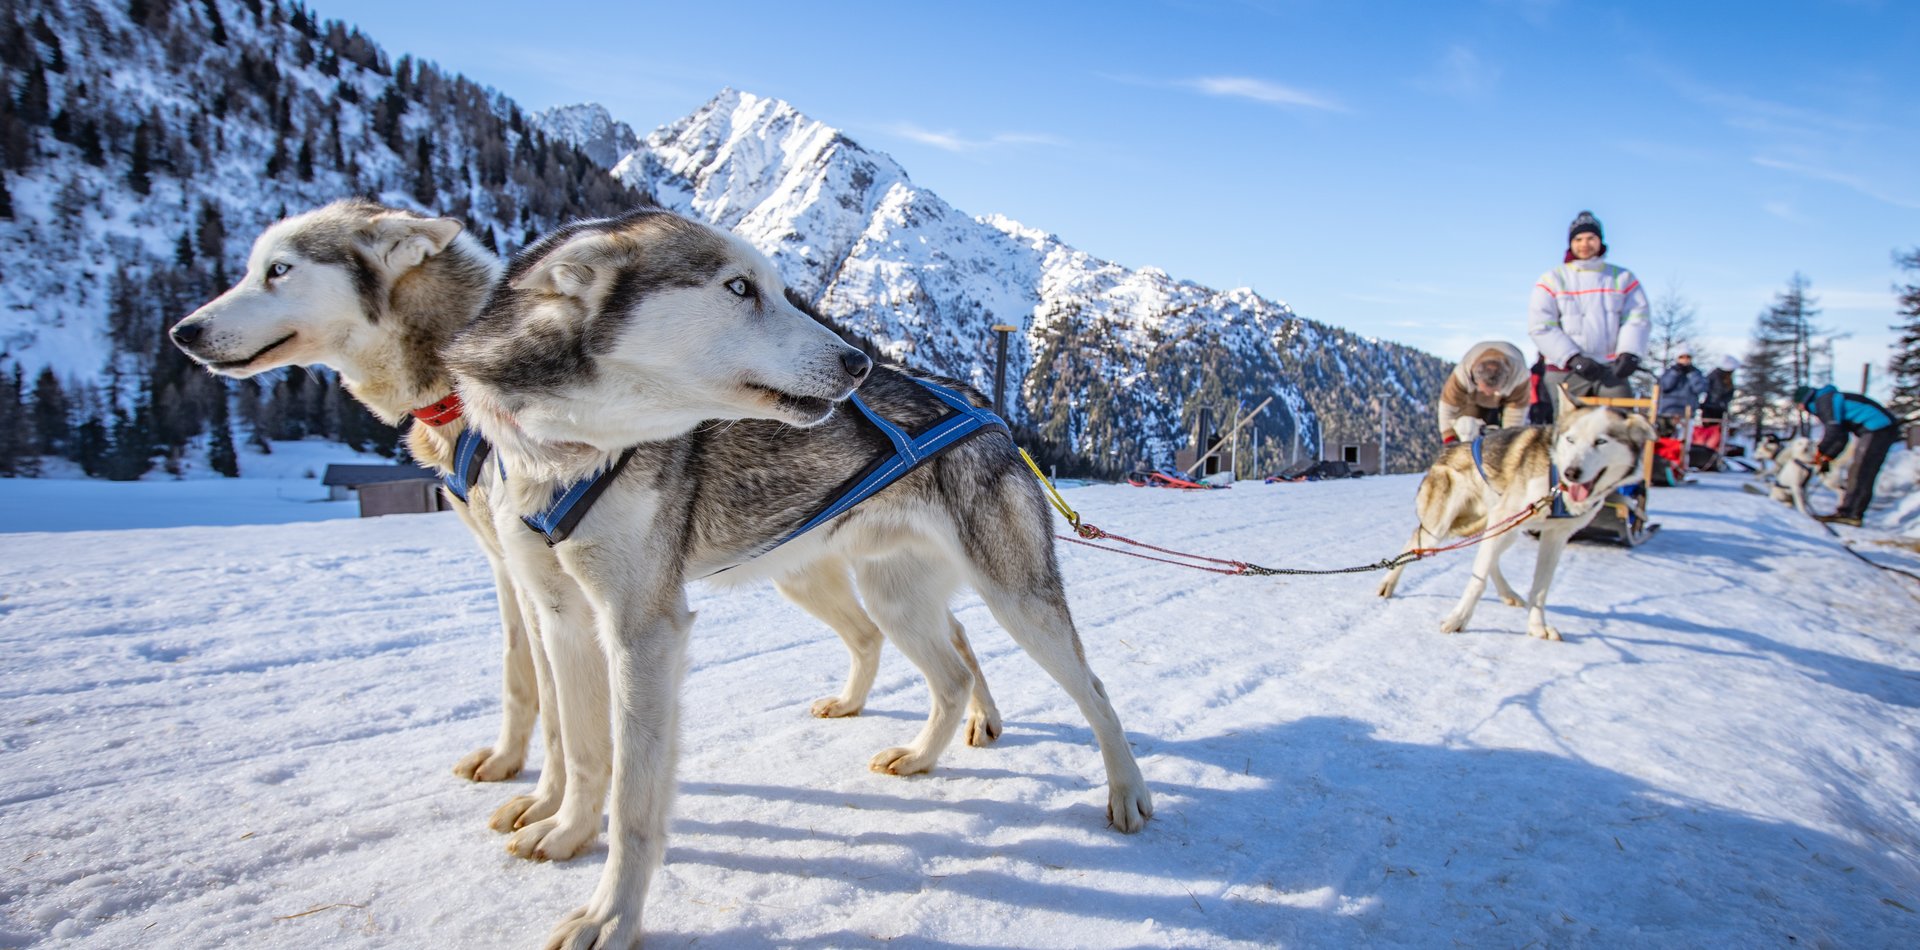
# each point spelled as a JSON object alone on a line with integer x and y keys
{"x": 1059, "y": 503}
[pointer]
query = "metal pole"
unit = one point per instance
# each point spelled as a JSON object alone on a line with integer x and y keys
{"x": 1866, "y": 377}
{"x": 1223, "y": 439}
{"x": 1000, "y": 331}
{"x": 1383, "y": 438}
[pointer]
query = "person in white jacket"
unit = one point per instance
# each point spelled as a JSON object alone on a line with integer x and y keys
{"x": 1589, "y": 318}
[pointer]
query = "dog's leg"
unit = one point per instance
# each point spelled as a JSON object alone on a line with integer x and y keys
{"x": 822, "y": 589}
{"x": 1551, "y": 545}
{"x": 1004, "y": 528}
{"x": 1484, "y": 564}
{"x": 648, "y": 633}
{"x": 983, "y": 715}
{"x": 1393, "y": 576}
{"x": 1501, "y": 587}
{"x": 579, "y": 667}
{"x": 551, "y": 789}
{"x": 519, "y": 692}
{"x": 908, "y": 594}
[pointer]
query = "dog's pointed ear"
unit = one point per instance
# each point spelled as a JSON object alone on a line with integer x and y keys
{"x": 1640, "y": 430}
{"x": 397, "y": 243}
{"x": 1564, "y": 402}
{"x": 581, "y": 268}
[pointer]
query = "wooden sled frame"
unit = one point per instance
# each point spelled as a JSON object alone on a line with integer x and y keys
{"x": 1623, "y": 519}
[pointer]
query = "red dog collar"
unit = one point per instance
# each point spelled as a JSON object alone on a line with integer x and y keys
{"x": 440, "y": 413}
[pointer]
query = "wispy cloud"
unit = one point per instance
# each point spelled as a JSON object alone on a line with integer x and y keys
{"x": 1461, "y": 73}
{"x": 1783, "y": 211}
{"x": 1843, "y": 179}
{"x": 955, "y": 142}
{"x": 1259, "y": 90}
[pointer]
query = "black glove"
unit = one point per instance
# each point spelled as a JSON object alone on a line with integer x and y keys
{"x": 1588, "y": 367}
{"x": 1625, "y": 365}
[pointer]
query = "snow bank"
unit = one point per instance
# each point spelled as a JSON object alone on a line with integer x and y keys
{"x": 218, "y": 736}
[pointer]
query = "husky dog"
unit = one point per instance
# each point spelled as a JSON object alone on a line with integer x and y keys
{"x": 377, "y": 293}
{"x": 1797, "y": 472}
{"x": 1595, "y": 451}
{"x": 642, "y": 338}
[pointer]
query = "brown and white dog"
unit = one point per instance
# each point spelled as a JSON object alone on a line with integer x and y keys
{"x": 1593, "y": 450}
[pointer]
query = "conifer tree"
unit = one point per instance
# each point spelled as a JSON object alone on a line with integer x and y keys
{"x": 6, "y": 199}
{"x": 16, "y": 426}
{"x": 423, "y": 187}
{"x": 51, "y": 424}
{"x": 221, "y": 455}
{"x": 1905, "y": 365}
{"x": 218, "y": 30}
{"x": 139, "y": 175}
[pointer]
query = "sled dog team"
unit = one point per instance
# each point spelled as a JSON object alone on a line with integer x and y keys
{"x": 600, "y": 356}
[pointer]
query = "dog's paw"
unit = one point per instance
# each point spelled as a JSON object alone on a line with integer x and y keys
{"x": 486, "y": 765}
{"x": 1453, "y": 624}
{"x": 520, "y": 811}
{"x": 551, "y": 839}
{"x": 1385, "y": 589}
{"x": 901, "y": 761}
{"x": 983, "y": 726}
{"x": 834, "y": 707}
{"x": 1544, "y": 632}
{"x": 589, "y": 929}
{"x": 1128, "y": 808}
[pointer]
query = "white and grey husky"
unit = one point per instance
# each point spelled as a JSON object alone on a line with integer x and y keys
{"x": 377, "y": 293}
{"x": 1592, "y": 450}
{"x": 625, "y": 339}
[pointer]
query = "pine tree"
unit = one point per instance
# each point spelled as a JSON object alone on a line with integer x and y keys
{"x": 16, "y": 426}
{"x": 131, "y": 450}
{"x": 423, "y": 188}
{"x": 1905, "y": 365}
{"x": 139, "y": 175}
{"x": 33, "y": 96}
{"x": 211, "y": 233}
{"x": 183, "y": 251}
{"x": 218, "y": 32}
{"x": 51, "y": 411}
{"x": 1767, "y": 373}
{"x": 90, "y": 446}
{"x": 6, "y": 199}
{"x": 220, "y": 452}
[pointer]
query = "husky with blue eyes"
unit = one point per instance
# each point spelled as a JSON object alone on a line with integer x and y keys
{"x": 1587, "y": 453}
{"x": 661, "y": 363}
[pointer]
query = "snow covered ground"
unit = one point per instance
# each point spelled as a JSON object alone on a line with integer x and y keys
{"x": 243, "y": 735}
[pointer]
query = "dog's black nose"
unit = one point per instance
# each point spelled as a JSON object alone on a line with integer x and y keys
{"x": 1572, "y": 475}
{"x": 186, "y": 334}
{"x": 856, "y": 364}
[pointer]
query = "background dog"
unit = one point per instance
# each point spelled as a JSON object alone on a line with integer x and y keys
{"x": 1594, "y": 451}
{"x": 637, "y": 334}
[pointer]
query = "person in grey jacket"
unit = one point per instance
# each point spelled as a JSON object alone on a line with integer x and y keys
{"x": 1589, "y": 318}
{"x": 1682, "y": 386}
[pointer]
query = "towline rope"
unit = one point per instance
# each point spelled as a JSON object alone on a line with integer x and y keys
{"x": 1086, "y": 534}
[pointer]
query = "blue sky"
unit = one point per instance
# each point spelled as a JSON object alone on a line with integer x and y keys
{"x": 1406, "y": 170}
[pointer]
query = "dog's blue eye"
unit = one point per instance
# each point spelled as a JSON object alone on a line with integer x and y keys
{"x": 741, "y": 287}
{"x": 278, "y": 269}
{"x": 1599, "y": 442}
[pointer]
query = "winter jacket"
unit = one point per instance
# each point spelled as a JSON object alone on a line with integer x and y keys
{"x": 1719, "y": 394}
{"x": 1681, "y": 389}
{"x": 1588, "y": 307}
{"x": 1459, "y": 397}
{"x": 1843, "y": 414}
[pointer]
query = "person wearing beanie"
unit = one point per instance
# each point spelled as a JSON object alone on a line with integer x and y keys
{"x": 1719, "y": 398}
{"x": 1589, "y": 318}
{"x": 1843, "y": 416}
{"x": 1681, "y": 386}
{"x": 1489, "y": 384}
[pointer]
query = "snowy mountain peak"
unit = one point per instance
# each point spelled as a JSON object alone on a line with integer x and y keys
{"x": 1110, "y": 363}
{"x": 591, "y": 129}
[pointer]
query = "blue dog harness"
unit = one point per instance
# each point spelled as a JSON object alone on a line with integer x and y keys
{"x": 1553, "y": 479}
{"x": 910, "y": 451}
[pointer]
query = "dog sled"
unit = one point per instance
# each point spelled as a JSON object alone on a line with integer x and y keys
{"x": 1623, "y": 518}
{"x": 1166, "y": 479}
